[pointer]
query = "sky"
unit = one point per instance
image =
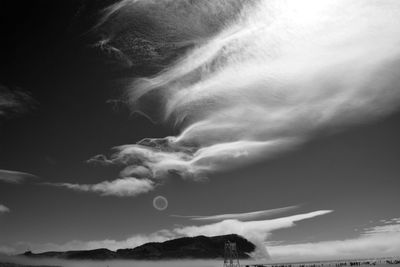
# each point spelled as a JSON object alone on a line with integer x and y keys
{"x": 135, "y": 121}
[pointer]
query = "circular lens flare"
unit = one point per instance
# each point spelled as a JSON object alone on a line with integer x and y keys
{"x": 160, "y": 203}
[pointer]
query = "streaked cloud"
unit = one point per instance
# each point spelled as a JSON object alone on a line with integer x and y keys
{"x": 14, "y": 101}
{"x": 124, "y": 187}
{"x": 378, "y": 241}
{"x": 271, "y": 77}
{"x": 390, "y": 221}
{"x": 255, "y": 231}
{"x": 383, "y": 229}
{"x": 15, "y": 177}
{"x": 259, "y": 228}
{"x": 239, "y": 216}
{"x": 4, "y": 209}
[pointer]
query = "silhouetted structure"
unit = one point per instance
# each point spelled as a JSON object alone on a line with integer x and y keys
{"x": 231, "y": 258}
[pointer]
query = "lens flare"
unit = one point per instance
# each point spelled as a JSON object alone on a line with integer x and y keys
{"x": 160, "y": 203}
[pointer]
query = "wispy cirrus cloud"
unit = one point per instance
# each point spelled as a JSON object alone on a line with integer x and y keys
{"x": 123, "y": 187}
{"x": 4, "y": 209}
{"x": 257, "y": 79}
{"x": 239, "y": 216}
{"x": 13, "y": 102}
{"x": 15, "y": 177}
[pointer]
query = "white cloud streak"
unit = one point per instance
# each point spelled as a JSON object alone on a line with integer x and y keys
{"x": 239, "y": 216}
{"x": 272, "y": 76}
{"x": 383, "y": 229}
{"x": 124, "y": 187}
{"x": 255, "y": 231}
{"x": 13, "y": 101}
{"x": 4, "y": 209}
{"x": 248, "y": 228}
{"x": 14, "y": 177}
{"x": 378, "y": 241}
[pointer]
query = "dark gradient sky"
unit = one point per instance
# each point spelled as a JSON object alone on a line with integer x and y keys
{"x": 46, "y": 51}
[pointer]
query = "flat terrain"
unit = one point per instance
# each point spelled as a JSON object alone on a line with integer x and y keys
{"x": 8, "y": 264}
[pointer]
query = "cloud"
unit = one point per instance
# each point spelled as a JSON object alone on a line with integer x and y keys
{"x": 239, "y": 216}
{"x": 390, "y": 221}
{"x": 383, "y": 229}
{"x": 13, "y": 102}
{"x": 7, "y": 250}
{"x": 4, "y": 209}
{"x": 258, "y": 78}
{"x": 248, "y": 228}
{"x": 14, "y": 177}
{"x": 256, "y": 231}
{"x": 156, "y": 32}
{"x": 378, "y": 241}
{"x": 124, "y": 187}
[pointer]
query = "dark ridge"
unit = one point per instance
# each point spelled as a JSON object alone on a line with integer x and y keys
{"x": 199, "y": 247}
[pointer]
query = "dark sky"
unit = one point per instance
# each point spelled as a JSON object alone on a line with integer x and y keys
{"x": 47, "y": 50}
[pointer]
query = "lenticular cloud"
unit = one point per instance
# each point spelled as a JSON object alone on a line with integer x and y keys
{"x": 244, "y": 80}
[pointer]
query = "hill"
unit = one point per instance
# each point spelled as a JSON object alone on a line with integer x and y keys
{"x": 199, "y": 247}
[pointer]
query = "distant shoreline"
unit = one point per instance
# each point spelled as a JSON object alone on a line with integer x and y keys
{"x": 377, "y": 259}
{"x": 332, "y": 263}
{"x": 9, "y": 264}
{"x": 245, "y": 263}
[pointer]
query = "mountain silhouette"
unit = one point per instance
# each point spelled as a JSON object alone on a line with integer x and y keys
{"x": 199, "y": 247}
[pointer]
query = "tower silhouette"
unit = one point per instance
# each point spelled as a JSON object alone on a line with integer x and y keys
{"x": 231, "y": 257}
